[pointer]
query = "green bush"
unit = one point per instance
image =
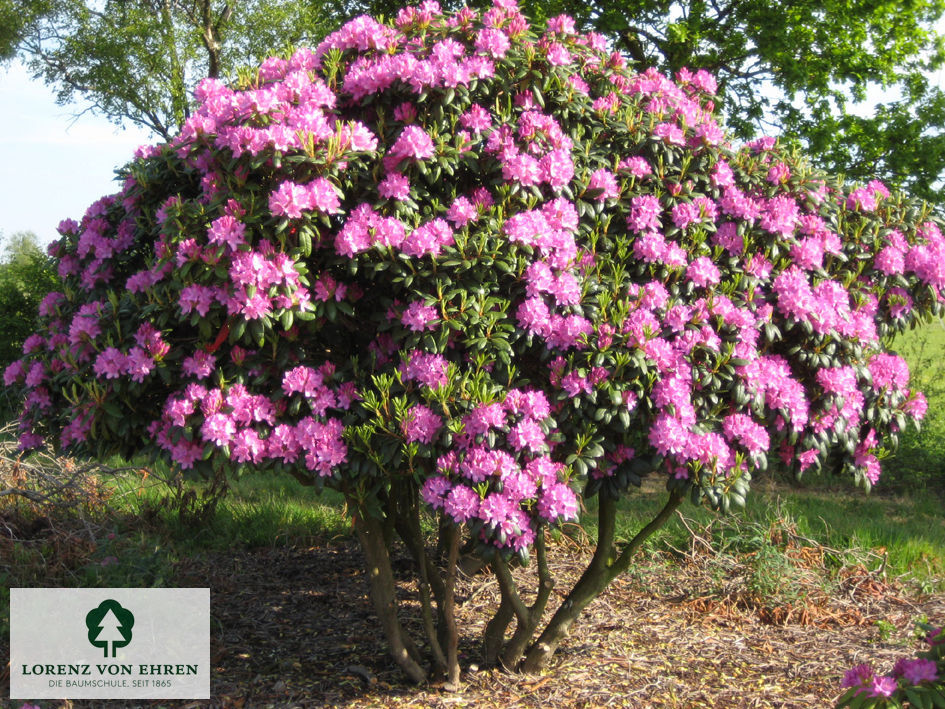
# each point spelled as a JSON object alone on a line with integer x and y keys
{"x": 26, "y": 275}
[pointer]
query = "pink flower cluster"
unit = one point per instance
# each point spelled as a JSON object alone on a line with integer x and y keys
{"x": 910, "y": 679}
{"x": 492, "y": 486}
{"x": 247, "y": 426}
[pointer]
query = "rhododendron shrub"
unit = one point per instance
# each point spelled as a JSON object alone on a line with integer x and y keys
{"x": 914, "y": 682}
{"x": 460, "y": 266}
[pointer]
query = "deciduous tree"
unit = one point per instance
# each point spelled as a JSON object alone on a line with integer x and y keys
{"x": 797, "y": 69}
{"x": 139, "y": 60}
{"x": 26, "y": 276}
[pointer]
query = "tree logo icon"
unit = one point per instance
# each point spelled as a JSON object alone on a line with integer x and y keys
{"x": 110, "y": 623}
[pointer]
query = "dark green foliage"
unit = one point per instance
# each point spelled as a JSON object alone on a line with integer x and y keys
{"x": 796, "y": 67}
{"x": 26, "y": 275}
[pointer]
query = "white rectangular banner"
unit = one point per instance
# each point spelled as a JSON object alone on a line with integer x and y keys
{"x": 109, "y": 643}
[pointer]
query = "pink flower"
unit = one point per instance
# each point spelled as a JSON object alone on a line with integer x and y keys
{"x": 427, "y": 369}
{"x": 522, "y": 168}
{"x": 527, "y": 434}
{"x": 779, "y": 173}
{"x": 890, "y": 260}
{"x": 644, "y": 214}
{"x": 882, "y": 687}
{"x": 492, "y": 43}
{"x": 186, "y": 453}
{"x": 247, "y": 447}
{"x": 916, "y": 406}
{"x": 722, "y": 175}
{"x": 111, "y": 363}
{"x": 139, "y": 364}
{"x": 218, "y": 429}
{"x": 668, "y": 435}
{"x": 476, "y": 118}
{"x": 561, "y": 24}
{"x": 461, "y": 503}
{"x": 574, "y": 384}
{"x": 669, "y": 133}
{"x": 419, "y": 317}
{"x": 15, "y": 371}
{"x": 635, "y": 165}
{"x": 434, "y": 491}
{"x": 557, "y": 502}
{"x": 685, "y": 213}
{"x": 606, "y": 182}
{"x": 916, "y": 671}
{"x": 199, "y": 365}
{"x": 461, "y": 212}
{"x": 227, "y": 230}
{"x": 283, "y": 444}
{"x": 889, "y": 371}
{"x": 428, "y": 238}
{"x": 420, "y": 424}
{"x": 482, "y": 418}
{"x": 557, "y": 168}
{"x": 413, "y": 143}
{"x": 496, "y": 508}
{"x": 807, "y": 459}
{"x": 322, "y": 443}
{"x": 323, "y": 196}
{"x": 196, "y": 297}
{"x": 289, "y": 199}
{"x": 558, "y": 55}
{"x": 394, "y": 186}
{"x": 702, "y": 272}
{"x": 780, "y": 215}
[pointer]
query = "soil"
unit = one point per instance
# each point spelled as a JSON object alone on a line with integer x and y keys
{"x": 293, "y": 627}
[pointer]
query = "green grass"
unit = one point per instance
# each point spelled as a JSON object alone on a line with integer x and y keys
{"x": 919, "y": 464}
{"x": 141, "y": 534}
{"x": 262, "y": 511}
{"x": 909, "y": 532}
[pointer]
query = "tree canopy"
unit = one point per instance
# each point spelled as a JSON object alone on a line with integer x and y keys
{"x": 139, "y": 60}
{"x": 795, "y": 68}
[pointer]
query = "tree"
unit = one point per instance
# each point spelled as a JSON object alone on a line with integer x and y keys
{"x": 791, "y": 68}
{"x": 467, "y": 271}
{"x": 109, "y": 624}
{"x": 139, "y": 60}
{"x": 26, "y": 276}
{"x": 796, "y": 68}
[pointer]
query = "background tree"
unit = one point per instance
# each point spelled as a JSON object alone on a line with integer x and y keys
{"x": 138, "y": 60}
{"x": 26, "y": 275}
{"x": 794, "y": 68}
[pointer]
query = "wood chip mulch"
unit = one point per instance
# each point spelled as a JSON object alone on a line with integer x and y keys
{"x": 294, "y": 628}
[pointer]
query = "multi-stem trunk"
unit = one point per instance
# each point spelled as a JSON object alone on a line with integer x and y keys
{"x": 450, "y": 631}
{"x": 603, "y": 569}
{"x": 383, "y": 594}
{"x": 527, "y": 617}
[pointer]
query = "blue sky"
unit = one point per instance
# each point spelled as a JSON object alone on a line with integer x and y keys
{"x": 54, "y": 165}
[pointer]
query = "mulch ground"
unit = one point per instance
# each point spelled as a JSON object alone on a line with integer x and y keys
{"x": 294, "y": 628}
